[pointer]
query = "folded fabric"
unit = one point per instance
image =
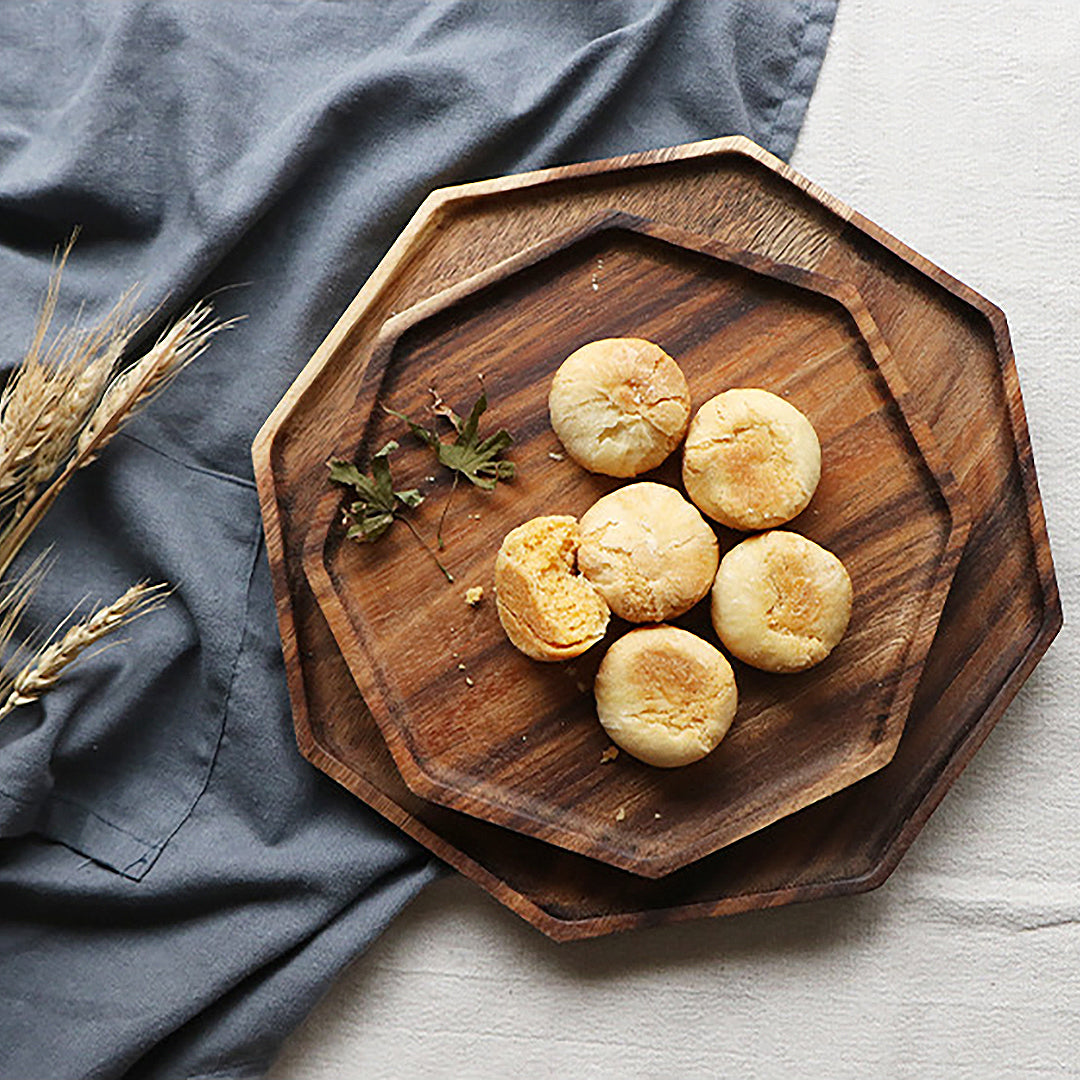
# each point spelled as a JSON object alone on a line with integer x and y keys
{"x": 177, "y": 885}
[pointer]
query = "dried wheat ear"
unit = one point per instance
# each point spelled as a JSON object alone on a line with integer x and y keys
{"x": 60, "y": 407}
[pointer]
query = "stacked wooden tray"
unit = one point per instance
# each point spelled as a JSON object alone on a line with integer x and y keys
{"x": 714, "y": 250}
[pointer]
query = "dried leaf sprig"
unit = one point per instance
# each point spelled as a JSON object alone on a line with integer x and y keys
{"x": 477, "y": 460}
{"x": 377, "y": 505}
{"x": 51, "y": 660}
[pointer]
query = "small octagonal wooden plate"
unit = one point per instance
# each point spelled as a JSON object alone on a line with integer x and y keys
{"x": 476, "y": 726}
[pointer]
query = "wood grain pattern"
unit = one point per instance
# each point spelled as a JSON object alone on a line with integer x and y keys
{"x": 519, "y": 744}
{"x": 953, "y": 349}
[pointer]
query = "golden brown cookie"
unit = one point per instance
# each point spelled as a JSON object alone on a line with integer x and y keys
{"x": 752, "y": 460}
{"x": 665, "y": 695}
{"x": 548, "y": 610}
{"x": 619, "y": 406}
{"x": 650, "y": 554}
{"x": 781, "y": 602}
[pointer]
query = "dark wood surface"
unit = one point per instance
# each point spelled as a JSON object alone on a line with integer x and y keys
{"x": 953, "y": 350}
{"x": 519, "y": 743}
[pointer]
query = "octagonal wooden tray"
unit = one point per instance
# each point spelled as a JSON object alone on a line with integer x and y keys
{"x": 953, "y": 349}
{"x": 475, "y": 725}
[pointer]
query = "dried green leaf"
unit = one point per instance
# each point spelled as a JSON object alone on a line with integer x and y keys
{"x": 378, "y": 505}
{"x": 377, "y": 502}
{"x": 478, "y": 462}
{"x": 429, "y": 438}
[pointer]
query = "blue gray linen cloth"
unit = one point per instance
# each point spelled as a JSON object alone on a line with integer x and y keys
{"x": 177, "y": 886}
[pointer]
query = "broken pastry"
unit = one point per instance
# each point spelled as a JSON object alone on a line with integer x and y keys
{"x": 548, "y": 610}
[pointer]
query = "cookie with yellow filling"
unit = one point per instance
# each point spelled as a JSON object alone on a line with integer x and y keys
{"x": 664, "y": 695}
{"x": 619, "y": 406}
{"x": 781, "y": 602}
{"x": 752, "y": 460}
{"x": 548, "y": 610}
{"x": 650, "y": 554}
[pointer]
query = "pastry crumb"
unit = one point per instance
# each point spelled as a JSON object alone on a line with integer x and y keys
{"x": 474, "y": 595}
{"x": 620, "y": 814}
{"x": 610, "y": 754}
{"x": 461, "y": 667}
{"x": 656, "y": 816}
{"x": 468, "y": 681}
{"x": 556, "y": 456}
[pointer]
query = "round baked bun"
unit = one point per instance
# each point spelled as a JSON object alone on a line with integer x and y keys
{"x": 665, "y": 695}
{"x": 752, "y": 460}
{"x": 619, "y": 406}
{"x": 781, "y": 602}
{"x": 649, "y": 553}
{"x": 548, "y": 610}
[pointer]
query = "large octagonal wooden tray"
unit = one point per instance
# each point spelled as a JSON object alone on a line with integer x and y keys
{"x": 477, "y": 726}
{"x": 952, "y": 348}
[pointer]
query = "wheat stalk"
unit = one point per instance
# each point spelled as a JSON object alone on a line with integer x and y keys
{"x": 71, "y": 450}
{"x": 48, "y": 398}
{"x": 185, "y": 340}
{"x": 49, "y": 408}
{"x": 58, "y": 410}
{"x": 14, "y": 597}
{"x": 43, "y": 670}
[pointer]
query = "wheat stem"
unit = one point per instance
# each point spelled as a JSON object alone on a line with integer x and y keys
{"x": 14, "y": 596}
{"x": 58, "y": 410}
{"x": 51, "y": 660}
{"x": 182, "y": 343}
{"x": 125, "y": 395}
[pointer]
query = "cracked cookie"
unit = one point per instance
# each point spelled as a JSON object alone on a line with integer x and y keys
{"x": 781, "y": 602}
{"x": 619, "y": 406}
{"x": 665, "y": 695}
{"x": 752, "y": 460}
{"x": 648, "y": 552}
{"x": 548, "y": 610}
